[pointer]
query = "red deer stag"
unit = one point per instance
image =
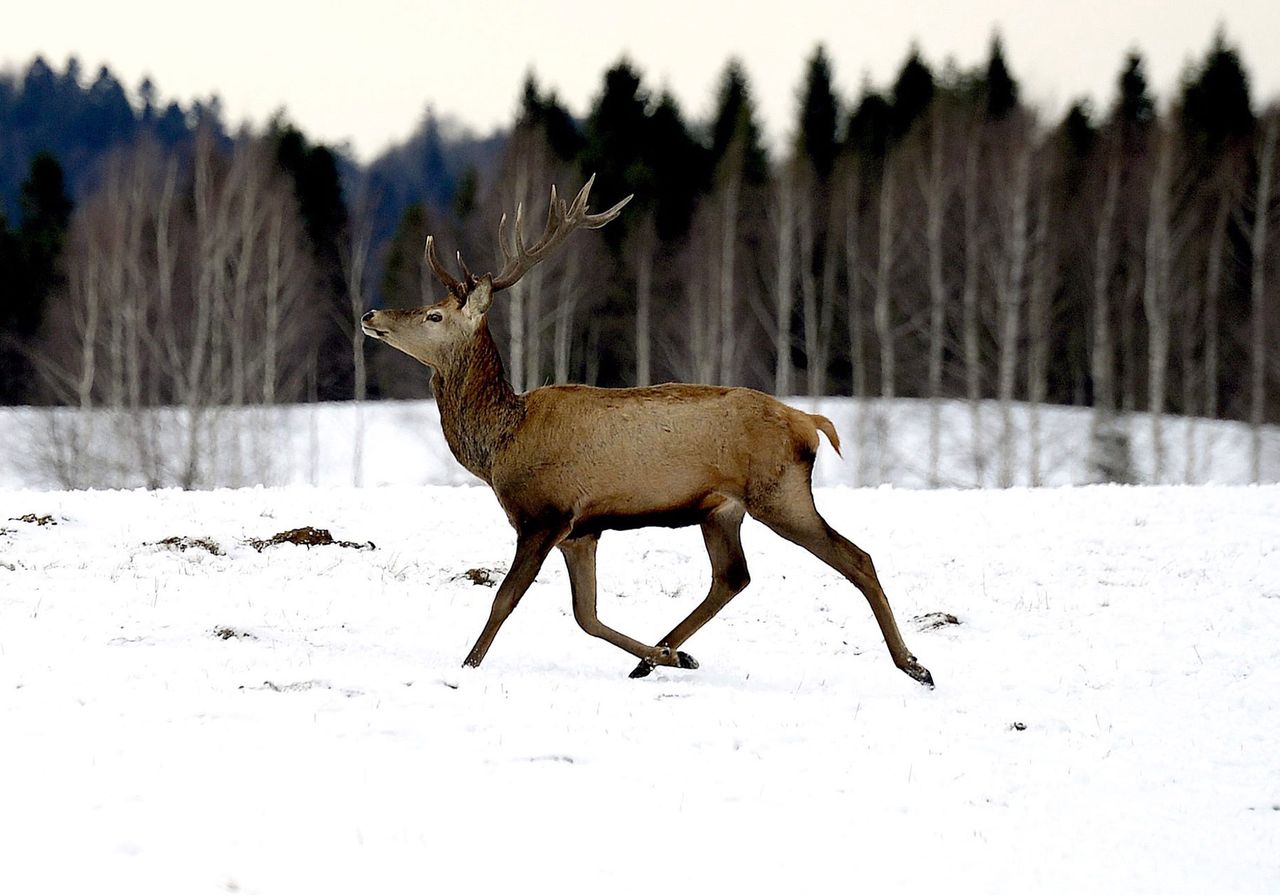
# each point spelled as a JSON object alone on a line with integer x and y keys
{"x": 568, "y": 462}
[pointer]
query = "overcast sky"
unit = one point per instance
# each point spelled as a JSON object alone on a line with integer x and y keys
{"x": 362, "y": 73}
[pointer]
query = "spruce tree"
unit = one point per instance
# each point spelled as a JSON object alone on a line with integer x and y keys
{"x": 1135, "y": 109}
{"x": 912, "y": 93}
{"x": 318, "y": 189}
{"x": 614, "y": 150}
{"x": 677, "y": 168}
{"x": 819, "y": 109}
{"x": 1000, "y": 88}
{"x": 1215, "y": 106}
{"x": 734, "y": 129}
{"x": 870, "y": 124}
{"x": 33, "y": 258}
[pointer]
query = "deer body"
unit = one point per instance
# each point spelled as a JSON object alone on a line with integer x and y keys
{"x": 570, "y": 462}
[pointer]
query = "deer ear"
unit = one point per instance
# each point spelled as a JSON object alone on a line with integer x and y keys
{"x": 479, "y": 298}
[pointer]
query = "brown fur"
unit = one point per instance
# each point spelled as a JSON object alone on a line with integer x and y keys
{"x": 569, "y": 462}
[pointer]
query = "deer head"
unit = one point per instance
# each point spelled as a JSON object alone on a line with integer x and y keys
{"x": 434, "y": 334}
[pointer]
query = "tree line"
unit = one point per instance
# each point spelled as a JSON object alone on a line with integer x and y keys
{"x": 938, "y": 238}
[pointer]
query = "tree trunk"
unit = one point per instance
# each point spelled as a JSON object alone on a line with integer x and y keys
{"x": 533, "y": 315}
{"x": 1212, "y": 294}
{"x": 1156, "y": 301}
{"x": 644, "y": 301}
{"x": 1011, "y": 300}
{"x": 1105, "y": 440}
{"x": 728, "y": 264}
{"x": 853, "y": 268}
{"x": 1257, "y": 295}
{"x": 884, "y": 268}
{"x": 969, "y": 301}
{"x": 357, "y": 259}
{"x": 566, "y": 305}
{"x": 935, "y": 215}
{"x": 1102, "y": 357}
{"x": 809, "y": 292}
{"x": 1038, "y": 335}
{"x": 783, "y": 295}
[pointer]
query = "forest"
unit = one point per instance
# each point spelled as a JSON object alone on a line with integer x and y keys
{"x": 935, "y": 238}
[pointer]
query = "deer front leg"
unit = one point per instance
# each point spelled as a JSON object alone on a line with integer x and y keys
{"x": 531, "y": 552}
{"x": 580, "y": 560}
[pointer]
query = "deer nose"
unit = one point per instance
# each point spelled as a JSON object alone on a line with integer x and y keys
{"x": 367, "y": 317}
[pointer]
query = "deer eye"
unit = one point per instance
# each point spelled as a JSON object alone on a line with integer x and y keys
{"x": 435, "y": 317}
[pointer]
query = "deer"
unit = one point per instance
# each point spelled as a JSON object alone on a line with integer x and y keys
{"x": 569, "y": 462}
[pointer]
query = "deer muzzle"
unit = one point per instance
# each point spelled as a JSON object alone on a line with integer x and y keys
{"x": 369, "y": 323}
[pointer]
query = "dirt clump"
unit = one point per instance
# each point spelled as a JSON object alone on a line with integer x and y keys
{"x": 306, "y": 537}
{"x": 480, "y": 577}
{"x": 931, "y": 620}
{"x": 45, "y": 519}
{"x": 184, "y": 544}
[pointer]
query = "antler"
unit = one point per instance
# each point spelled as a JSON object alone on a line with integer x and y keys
{"x": 562, "y": 220}
{"x": 457, "y": 287}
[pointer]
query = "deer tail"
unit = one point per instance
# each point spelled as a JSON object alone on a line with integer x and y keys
{"x": 828, "y": 428}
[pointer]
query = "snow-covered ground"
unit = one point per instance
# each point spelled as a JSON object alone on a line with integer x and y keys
{"x": 400, "y": 443}
{"x": 295, "y": 720}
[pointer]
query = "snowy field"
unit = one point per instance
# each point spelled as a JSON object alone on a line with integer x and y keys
{"x": 295, "y": 720}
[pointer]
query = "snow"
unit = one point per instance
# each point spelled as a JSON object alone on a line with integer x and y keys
{"x": 330, "y": 742}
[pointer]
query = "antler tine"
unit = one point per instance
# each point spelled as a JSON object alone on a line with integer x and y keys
{"x": 579, "y": 205}
{"x": 553, "y": 206}
{"x": 450, "y": 282}
{"x": 596, "y": 221}
{"x": 467, "y": 276}
{"x": 519, "y": 230}
{"x": 562, "y": 219}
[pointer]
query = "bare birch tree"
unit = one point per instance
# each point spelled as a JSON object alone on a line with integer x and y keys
{"x": 1156, "y": 299}
{"x": 1011, "y": 293}
{"x": 1258, "y": 291}
{"x": 970, "y": 303}
{"x": 784, "y": 221}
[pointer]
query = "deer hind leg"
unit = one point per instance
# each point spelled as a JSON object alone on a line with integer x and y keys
{"x": 729, "y": 577}
{"x": 791, "y": 513}
{"x": 580, "y": 560}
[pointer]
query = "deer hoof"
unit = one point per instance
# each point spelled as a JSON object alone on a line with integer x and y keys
{"x": 643, "y": 669}
{"x": 682, "y": 660}
{"x": 918, "y": 672}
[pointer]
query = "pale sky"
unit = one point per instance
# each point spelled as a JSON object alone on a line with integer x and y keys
{"x": 363, "y": 73}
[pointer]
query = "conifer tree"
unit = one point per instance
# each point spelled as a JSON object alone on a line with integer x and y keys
{"x": 318, "y": 189}
{"x": 31, "y": 261}
{"x": 819, "y": 110}
{"x": 1001, "y": 91}
{"x": 912, "y": 93}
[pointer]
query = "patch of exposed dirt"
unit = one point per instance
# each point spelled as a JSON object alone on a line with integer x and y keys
{"x": 931, "y": 620}
{"x": 306, "y": 537}
{"x": 228, "y": 633}
{"x": 46, "y": 519}
{"x": 481, "y": 577}
{"x": 302, "y": 686}
{"x": 184, "y": 544}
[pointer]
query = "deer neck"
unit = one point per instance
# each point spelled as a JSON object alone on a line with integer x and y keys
{"x": 479, "y": 411}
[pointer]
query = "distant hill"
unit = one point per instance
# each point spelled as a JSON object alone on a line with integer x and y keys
{"x": 82, "y": 120}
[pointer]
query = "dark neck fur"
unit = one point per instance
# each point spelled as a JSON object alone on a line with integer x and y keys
{"x": 479, "y": 411}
